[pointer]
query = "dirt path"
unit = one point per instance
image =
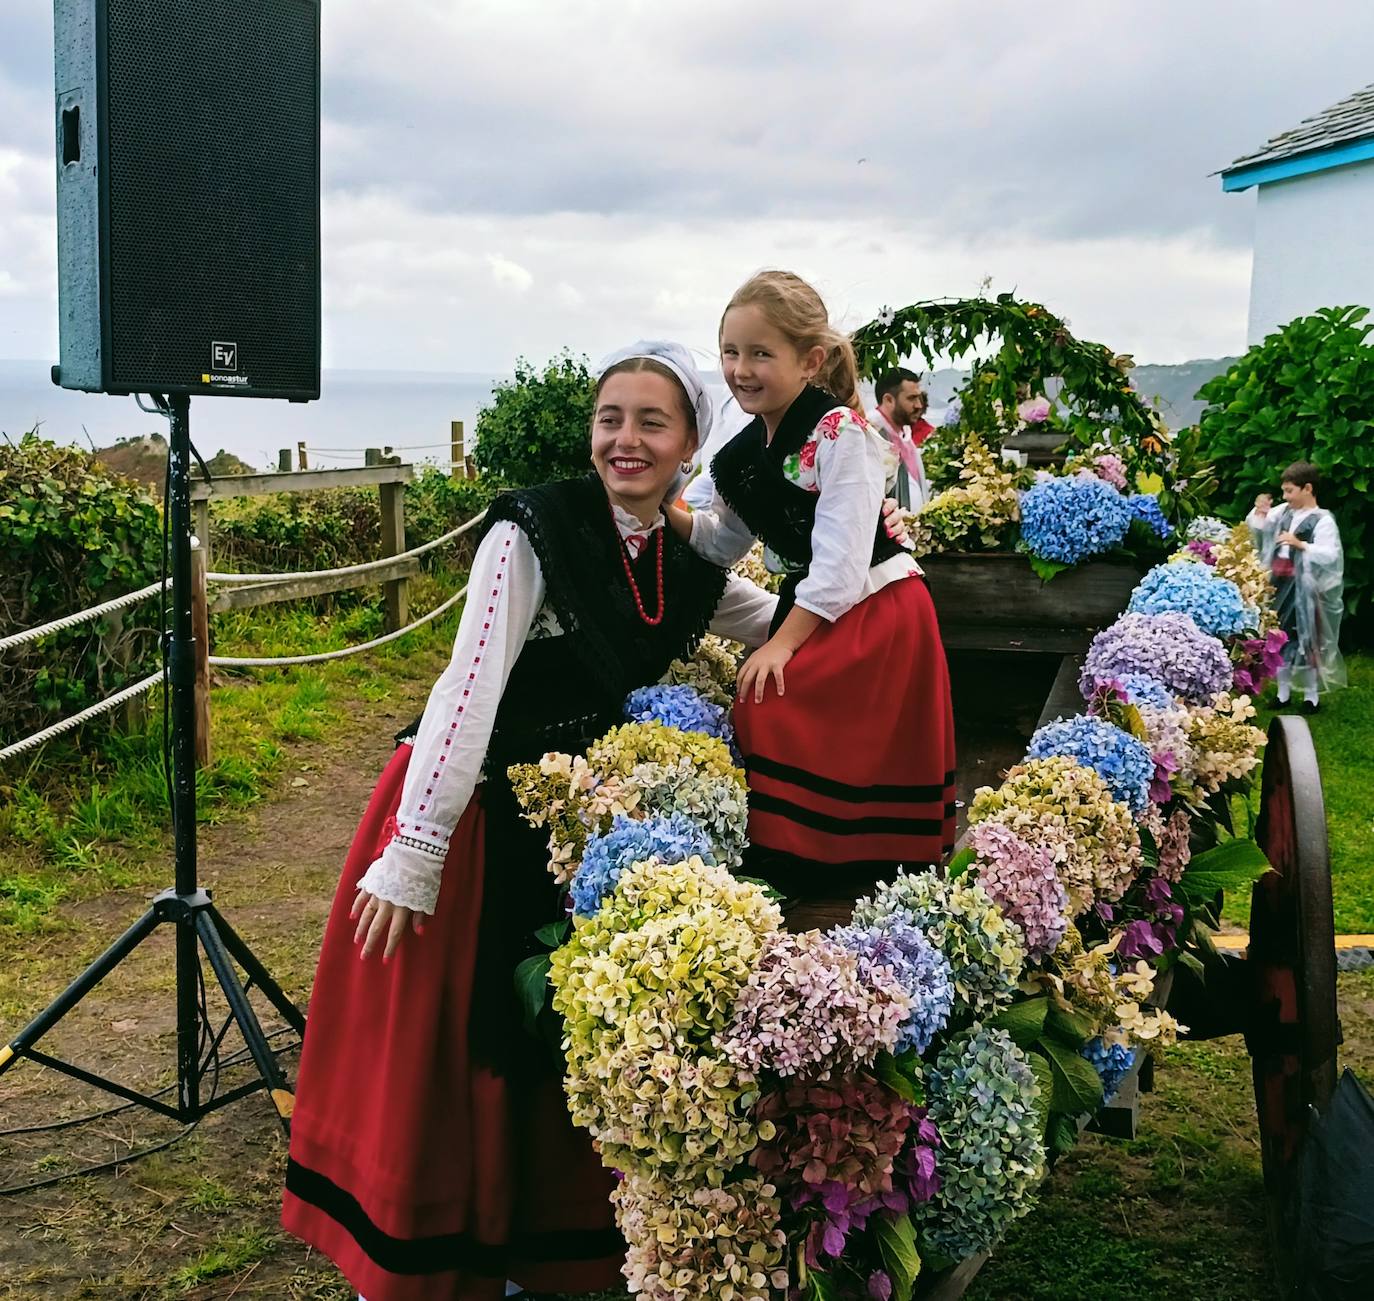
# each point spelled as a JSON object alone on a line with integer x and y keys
{"x": 197, "y": 1220}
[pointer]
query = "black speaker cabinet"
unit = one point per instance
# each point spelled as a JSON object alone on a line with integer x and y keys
{"x": 188, "y": 196}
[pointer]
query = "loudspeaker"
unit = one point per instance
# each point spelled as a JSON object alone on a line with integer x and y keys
{"x": 188, "y": 196}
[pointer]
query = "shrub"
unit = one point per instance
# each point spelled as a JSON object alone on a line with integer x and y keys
{"x": 71, "y": 536}
{"x": 1305, "y": 393}
{"x": 536, "y": 428}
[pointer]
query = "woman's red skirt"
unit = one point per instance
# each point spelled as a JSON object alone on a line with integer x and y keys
{"x": 851, "y": 773}
{"x": 422, "y": 1175}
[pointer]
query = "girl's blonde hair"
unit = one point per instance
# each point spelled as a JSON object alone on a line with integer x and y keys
{"x": 796, "y": 310}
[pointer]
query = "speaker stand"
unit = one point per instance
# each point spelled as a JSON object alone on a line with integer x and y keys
{"x": 198, "y": 924}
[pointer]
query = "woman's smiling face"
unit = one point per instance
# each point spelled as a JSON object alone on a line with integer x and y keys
{"x": 640, "y": 438}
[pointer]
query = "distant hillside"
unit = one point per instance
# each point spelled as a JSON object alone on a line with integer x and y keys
{"x": 145, "y": 459}
{"x": 1173, "y": 387}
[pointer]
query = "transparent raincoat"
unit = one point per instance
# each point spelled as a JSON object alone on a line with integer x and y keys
{"x": 1308, "y": 585}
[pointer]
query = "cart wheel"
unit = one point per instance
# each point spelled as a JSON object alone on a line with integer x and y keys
{"x": 1294, "y": 1030}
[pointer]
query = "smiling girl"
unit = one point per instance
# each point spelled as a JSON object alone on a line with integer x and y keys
{"x": 432, "y": 1156}
{"x": 851, "y": 755}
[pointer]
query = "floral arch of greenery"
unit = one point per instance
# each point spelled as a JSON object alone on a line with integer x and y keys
{"x": 1036, "y": 347}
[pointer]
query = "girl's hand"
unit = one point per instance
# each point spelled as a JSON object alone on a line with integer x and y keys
{"x": 768, "y": 660}
{"x": 894, "y": 519}
{"x": 380, "y": 921}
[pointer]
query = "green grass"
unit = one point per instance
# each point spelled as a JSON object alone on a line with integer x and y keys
{"x": 1343, "y": 732}
{"x": 229, "y": 1253}
{"x": 85, "y": 813}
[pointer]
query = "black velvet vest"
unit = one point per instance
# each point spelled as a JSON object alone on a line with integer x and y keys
{"x": 749, "y": 475}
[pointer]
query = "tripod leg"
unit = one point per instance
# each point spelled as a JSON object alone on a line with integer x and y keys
{"x": 282, "y": 1097}
{"x": 248, "y": 960}
{"x": 79, "y": 988}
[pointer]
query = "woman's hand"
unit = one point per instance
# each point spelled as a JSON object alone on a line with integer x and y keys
{"x": 894, "y": 520}
{"x": 768, "y": 661}
{"x": 381, "y": 922}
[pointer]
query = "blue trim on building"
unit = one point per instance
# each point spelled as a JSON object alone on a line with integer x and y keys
{"x": 1319, "y": 160}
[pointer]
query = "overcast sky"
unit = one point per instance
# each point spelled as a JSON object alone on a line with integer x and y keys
{"x": 506, "y": 177}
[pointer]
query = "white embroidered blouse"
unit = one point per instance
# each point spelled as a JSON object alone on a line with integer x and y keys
{"x": 504, "y": 609}
{"x": 847, "y": 462}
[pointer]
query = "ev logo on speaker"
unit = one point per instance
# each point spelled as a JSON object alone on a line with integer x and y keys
{"x": 224, "y": 356}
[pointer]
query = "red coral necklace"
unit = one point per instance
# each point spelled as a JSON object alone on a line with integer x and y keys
{"x": 630, "y": 573}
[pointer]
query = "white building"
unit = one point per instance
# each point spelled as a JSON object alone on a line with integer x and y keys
{"x": 1314, "y": 215}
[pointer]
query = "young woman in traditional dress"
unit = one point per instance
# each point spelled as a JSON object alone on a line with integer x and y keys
{"x": 851, "y": 754}
{"x": 431, "y": 1152}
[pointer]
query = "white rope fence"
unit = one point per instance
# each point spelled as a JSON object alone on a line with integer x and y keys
{"x": 352, "y": 569}
{"x": 67, "y": 724}
{"x": 82, "y": 616}
{"x": 239, "y": 661}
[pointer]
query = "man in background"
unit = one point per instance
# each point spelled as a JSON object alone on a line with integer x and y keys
{"x": 901, "y": 405}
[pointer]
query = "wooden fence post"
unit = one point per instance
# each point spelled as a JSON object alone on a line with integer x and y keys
{"x": 300, "y": 456}
{"x": 397, "y": 591}
{"x": 200, "y": 633}
{"x": 457, "y": 464}
{"x": 372, "y": 456}
{"x": 201, "y": 513}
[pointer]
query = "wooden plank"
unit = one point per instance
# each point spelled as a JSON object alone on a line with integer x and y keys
{"x": 1064, "y": 699}
{"x": 1024, "y": 639}
{"x": 246, "y": 597}
{"x": 258, "y": 485}
{"x": 397, "y": 592}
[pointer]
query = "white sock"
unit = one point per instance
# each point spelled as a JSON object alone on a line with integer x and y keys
{"x": 1310, "y": 695}
{"x": 1285, "y": 681}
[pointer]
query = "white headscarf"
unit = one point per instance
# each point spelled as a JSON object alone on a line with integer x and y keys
{"x": 679, "y": 361}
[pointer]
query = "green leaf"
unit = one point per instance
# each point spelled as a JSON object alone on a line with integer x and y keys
{"x": 1044, "y": 1080}
{"x": 1077, "y": 1087}
{"x": 776, "y": 896}
{"x": 1024, "y": 1021}
{"x": 1232, "y": 865}
{"x": 1046, "y": 569}
{"x": 1070, "y": 1028}
{"x": 897, "y": 1245}
{"x": 902, "y": 1074}
{"x": 554, "y": 933}
{"x": 531, "y": 987}
{"x": 1061, "y": 1135}
{"x": 960, "y": 863}
{"x": 821, "y": 1287}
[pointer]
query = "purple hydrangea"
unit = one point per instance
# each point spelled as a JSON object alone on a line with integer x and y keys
{"x": 1212, "y": 602}
{"x": 1140, "y": 689}
{"x": 953, "y": 413}
{"x": 1170, "y": 648}
{"x": 1074, "y": 518}
{"x": 915, "y": 964}
{"x": 1023, "y": 883}
{"x": 1145, "y": 507}
{"x": 1124, "y": 763}
{"x": 629, "y": 841}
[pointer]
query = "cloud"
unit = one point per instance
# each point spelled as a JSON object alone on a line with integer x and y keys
{"x": 620, "y": 167}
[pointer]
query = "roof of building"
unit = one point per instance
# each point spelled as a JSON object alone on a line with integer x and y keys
{"x": 1341, "y": 134}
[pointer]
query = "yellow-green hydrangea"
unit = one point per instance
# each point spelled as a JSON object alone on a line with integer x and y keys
{"x": 1059, "y": 802}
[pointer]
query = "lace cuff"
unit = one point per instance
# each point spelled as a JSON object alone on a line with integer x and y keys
{"x": 407, "y": 874}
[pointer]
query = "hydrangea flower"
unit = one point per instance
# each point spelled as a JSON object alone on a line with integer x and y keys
{"x": 1073, "y": 519}
{"x": 1156, "y": 933}
{"x": 984, "y": 951}
{"x": 1227, "y": 747}
{"x": 1173, "y": 840}
{"x": 644, "y": 986}
{"x": 1212, "y": 602}
{"x": 1034, "y": 411}
{"x": 1168, "y": 647}
{"x": 710, "y": 670}
{"x": 1059, "y": 803}
{"x": 807, "y": 1010}
{"x": 1208, "y": 528}
{"x": 1145, "y": 507}
{"x": 699, "y": 1243}
{"x": 954, "y": 412}
{"x": 1139, "y": 689}
{"x": 680, "y": 707}
{"x": 984, "y": 1102}
{"x": 1118, "y": 758}
{"x": 629, "y": 841}
{"x": 1257, "y": 660}
{"x": 1112, "y": 469}
{"x": 901, "y": 952}
{"x": 1112, "y": 1062}
{"x": 835, "y": 1145}
{"x": 1022, "y": 882}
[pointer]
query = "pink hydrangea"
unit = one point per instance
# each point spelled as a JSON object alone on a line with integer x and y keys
{"x": 1022, "y": 881}
{"x": 1173, "y": 839}
{"x": 1112, "y": 468}
{"x": 808, "y": 1009}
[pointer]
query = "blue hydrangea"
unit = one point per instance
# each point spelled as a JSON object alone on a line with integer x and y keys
{"x": 1145, "y": 506}
{"x": 1112, "y": 1064}
{"x": 953, "y": 413}
{"x": 629, "y": 841}
{"x": 919, "y": 968}
{"x": 1072, "y": 519}
{"x": 681, "y": 707}
{"x": 1141, "y": 689}
{"x": 1212, "y": 602}
{"x": 1124, "y": 763}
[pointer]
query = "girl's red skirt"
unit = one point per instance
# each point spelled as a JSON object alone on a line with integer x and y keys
{"x": 851, "y": 773}
{"x": 423, "y": 1175}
